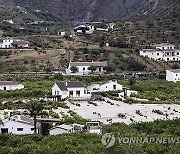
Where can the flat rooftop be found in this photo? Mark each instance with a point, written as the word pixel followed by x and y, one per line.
pixel 175 71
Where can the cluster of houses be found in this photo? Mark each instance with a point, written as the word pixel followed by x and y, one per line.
pixel 163 51
pixel 11 43
pixel 21 125
pixel 77 91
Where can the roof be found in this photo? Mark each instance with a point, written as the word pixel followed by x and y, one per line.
pixel 19 42
pixel 8 83
pixel 94 127
pixel 103 63
pixel 175 70
pixel 75 84
pixel 63 126
pixel 21 119
pixel 63 86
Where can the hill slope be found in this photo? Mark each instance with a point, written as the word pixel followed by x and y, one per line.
pixel 91 10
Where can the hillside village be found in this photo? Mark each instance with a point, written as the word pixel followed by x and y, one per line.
pixel 76 82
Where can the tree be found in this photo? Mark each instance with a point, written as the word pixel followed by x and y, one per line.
pixel 58 76
pixel 175 66
pixel 92 68
pixel 74 69
pixel 35 109
pixel 109 68
pixel 48 69
pixel 132 81
pixel 1 122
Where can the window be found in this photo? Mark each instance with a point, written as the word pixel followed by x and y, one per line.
pixel 70 93
pixel 4 88
pixel 167 59
pixel 19 129
pixel 32 129
pixel 78 93
pixel 167 53
pixel 177 53
pixel 106 86
pixel 157 54
pixel 84 91
pixel 163 48
pixel 174 59
pixel 176 74
pixel 83 68
pixel 114 86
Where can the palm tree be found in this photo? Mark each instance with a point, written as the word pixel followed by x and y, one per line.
pixel 1 122
pixel 35 109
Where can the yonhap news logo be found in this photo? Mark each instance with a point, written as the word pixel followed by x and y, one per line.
pixel 109 139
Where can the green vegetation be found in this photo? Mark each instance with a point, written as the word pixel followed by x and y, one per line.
pixel 121 115
pixel 158 112
pixel 93 103
pixel 73 118
pixel 139 112
pixel 85 143
pixel 155 90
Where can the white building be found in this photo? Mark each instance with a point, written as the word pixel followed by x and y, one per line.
pixel 93 127
pixel 70 90
pixel 19 125
pixel 9 21
pixel 127 93
pixel 61 129
pixel 164 51
pixel 9 43
pixel 109 86
pixel 94 130
pixel 173 75
pixel 82 67
pixel 84 29
pixel 10 85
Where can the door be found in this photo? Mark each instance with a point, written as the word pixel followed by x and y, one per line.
pixel 4 130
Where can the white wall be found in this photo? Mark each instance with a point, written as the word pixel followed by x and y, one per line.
pixel 57 91
pixel 94 131
pixel 165 47
pixel 56 131
pixel 66 94
pixel 171 76
pixel 6 43
pixel 161 55
pixel 83 93
pixel 13 125
pixel 12 87
pixel 84 70
pixel 110 87
pixel 152 54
